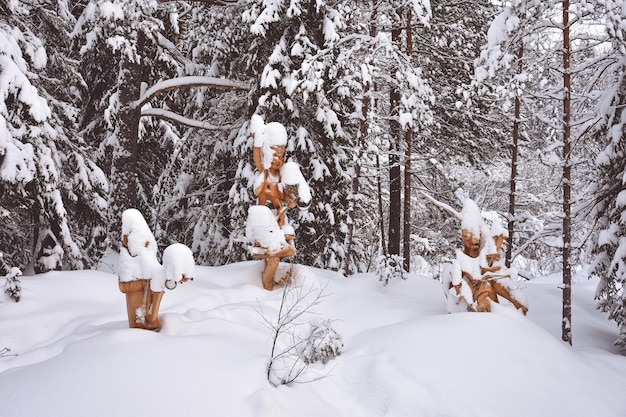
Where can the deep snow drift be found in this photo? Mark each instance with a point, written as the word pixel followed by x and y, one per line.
pixel 403 355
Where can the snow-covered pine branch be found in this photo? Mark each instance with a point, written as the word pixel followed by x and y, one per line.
pixel 177 118
pixel 187 82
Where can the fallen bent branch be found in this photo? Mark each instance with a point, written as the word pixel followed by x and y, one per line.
pixel 443 206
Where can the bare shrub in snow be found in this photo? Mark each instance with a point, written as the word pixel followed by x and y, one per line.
pixel 287 364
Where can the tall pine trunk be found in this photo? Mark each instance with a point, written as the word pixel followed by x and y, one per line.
pixel 395 180
pixel 514 158
pixel 566 326
pixel 123 190
pixel 406 232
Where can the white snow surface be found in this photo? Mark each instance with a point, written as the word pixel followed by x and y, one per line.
pixel 75 356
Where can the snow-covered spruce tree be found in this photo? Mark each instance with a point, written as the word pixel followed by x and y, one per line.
pixel 610 262
pixel 459 140
pixel 123 44
pixel 393 108
pixel 46 176
pixel 287 36
pixel 522 61
pixel 196 207
pixel 313 81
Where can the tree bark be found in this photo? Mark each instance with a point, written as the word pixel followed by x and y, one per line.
pixel 566 327
pixel 514 157
pixel 395 181
pixel 408 136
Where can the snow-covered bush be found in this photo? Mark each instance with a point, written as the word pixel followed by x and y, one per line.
pixel 322 344
pixel 12 284
pixel 389 266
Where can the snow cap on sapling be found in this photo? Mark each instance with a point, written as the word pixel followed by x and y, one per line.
pixel 274 134
pixel 472 220
pixel 138 256
pixel 262 227
pixel 178 262
pixel 257 127
pixel 136 233
pixel 291 175
pixel 498 229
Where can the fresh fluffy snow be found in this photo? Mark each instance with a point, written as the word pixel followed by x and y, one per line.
pixel 402 356
pixel 262 227
pixel 291 175
pixel 139 259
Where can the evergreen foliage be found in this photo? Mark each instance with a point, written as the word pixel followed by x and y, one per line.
pixel 610 258
pixel 47 175
pixel 609 248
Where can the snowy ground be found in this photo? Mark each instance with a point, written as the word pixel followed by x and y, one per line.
pixel 403 355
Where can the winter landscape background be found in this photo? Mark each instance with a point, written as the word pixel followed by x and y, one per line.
pixel 107 105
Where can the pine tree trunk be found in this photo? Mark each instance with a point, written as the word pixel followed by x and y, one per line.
pixel 123 191
pixel 514 157
pixel 395 181
pixel 406 232
pixel 566 327
pixel 381 213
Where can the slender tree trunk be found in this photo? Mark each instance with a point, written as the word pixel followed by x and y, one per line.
pixel 566 327
pixel 379 187
pixel 381 214
pixel 395 180
pixel 514 157
pixel 406 232
pixel 123 190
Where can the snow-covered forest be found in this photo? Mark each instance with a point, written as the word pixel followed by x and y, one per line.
pixel 113 104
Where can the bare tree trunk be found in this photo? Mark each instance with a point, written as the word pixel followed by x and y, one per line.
pixel 566 327
pixel 406 232
pixel 395 180
pixel 381 214
pixel 514 157
pixel 123 191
